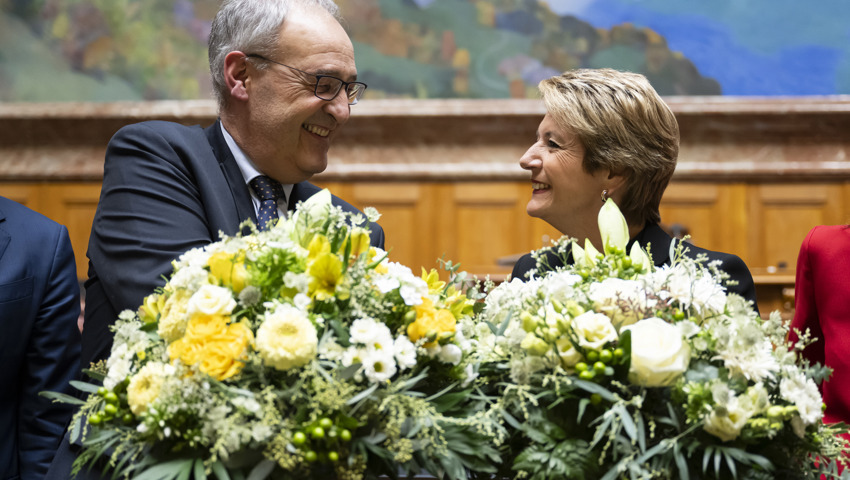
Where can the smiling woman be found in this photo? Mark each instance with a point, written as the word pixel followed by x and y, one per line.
pixel 608 134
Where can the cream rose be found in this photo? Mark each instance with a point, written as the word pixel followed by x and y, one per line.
pixel 594 330
pixel 660 354
pixel 212 300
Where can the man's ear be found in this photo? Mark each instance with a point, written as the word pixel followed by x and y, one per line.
pixel 236 75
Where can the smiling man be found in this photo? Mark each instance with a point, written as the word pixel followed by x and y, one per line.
pixel 284 77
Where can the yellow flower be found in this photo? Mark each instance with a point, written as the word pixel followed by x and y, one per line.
pixel 229 269
pixel 145 386
pixel 173 318
pixel 203 326
pixel 151 308
pixel 325 275
pixel 188 350
pixel 287 339
pixel 319 245
pixel 222 353
pixel 432 278
pixel 431 323
pixel 360 242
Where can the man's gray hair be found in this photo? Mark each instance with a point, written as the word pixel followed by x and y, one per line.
pixel 251 26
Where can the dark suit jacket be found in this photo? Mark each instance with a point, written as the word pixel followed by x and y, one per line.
pixel 167 188
pixel 659 247
pixel 822 303
pixel 40 341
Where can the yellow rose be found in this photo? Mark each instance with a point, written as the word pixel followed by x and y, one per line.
pixel 430 323
pixel 222 353
pixel 229 269
pixel 188 350
pixel 203 326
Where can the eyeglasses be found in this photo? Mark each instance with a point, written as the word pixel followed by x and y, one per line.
pixel 327 86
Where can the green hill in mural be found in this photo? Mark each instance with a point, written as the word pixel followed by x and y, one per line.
pixel 499 48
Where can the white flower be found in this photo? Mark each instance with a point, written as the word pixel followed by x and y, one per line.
pixel 379 365
pixel 287 338
pixel 568 354
pixel 729 414
pixel 300 282
pixel 594 330
pixel 405 352
pixel 145 386
pixel 659 353
pixel 211 300
pixel 801 391
pixel 373 334
pixel 624 301
pixel 450 353
pixel 412 295
pixel 189 278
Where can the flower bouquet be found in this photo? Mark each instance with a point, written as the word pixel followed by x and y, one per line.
pixel 612 368
pixel 297 352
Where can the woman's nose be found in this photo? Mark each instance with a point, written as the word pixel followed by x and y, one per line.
pixel 530 160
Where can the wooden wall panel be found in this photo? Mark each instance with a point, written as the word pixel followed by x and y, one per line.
pixel 27 194
pixel 781 215
pixel 73 205
pixel 713 214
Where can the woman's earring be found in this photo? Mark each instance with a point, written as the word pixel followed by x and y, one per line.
pixel 604 195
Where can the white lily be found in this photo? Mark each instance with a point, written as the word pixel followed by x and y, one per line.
pixel 640 260
pixel 613 227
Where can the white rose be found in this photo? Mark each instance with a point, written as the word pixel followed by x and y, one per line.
pixel 594 330
pixel 659 353
pixel 212 300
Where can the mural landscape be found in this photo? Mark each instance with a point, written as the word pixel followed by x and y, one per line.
pixel 107 50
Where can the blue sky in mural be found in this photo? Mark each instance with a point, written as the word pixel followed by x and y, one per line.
pixel 752 47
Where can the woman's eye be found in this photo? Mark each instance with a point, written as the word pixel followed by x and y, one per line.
pixel 552 144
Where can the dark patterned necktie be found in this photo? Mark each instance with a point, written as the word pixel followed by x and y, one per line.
pixel 269 191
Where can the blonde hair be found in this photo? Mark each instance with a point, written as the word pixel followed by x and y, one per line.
pixel 624 126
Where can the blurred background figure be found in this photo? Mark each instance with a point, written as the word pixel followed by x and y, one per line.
pixel 40 345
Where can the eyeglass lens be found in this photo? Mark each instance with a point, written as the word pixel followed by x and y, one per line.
pixel 328 87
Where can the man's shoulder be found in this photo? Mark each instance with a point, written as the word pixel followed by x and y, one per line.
pixel 22 217
pixel 171 132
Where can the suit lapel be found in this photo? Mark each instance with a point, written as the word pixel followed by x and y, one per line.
pixel 232 174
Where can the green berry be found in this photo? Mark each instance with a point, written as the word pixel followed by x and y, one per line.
pixel 101 391
pixel 587 375
pixel 128 418
pixel 298 439
pixel 599 367
pixel 618 353
pixel 333 456
pixel 311 456
pixel 581 366
pixel 317 432
pixel 110 409
pixel 592 356
pixel 333 432
pixel 95 419
pixel 606 356
pixel 326 423
pixel 111 397
pixel 595 399
pixel 345 435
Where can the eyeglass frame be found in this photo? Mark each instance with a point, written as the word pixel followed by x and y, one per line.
pixel 343 85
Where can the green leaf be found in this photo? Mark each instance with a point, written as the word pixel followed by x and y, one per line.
pixel 362 395
pixel 167 470
pixel 262 470
pixel 62 398
pixel 84 386
pixel 219 471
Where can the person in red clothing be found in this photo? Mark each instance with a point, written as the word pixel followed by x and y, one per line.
pixel 822 297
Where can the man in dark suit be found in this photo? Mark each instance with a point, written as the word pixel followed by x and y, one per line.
pixel 168 188
pixel 284 77
pixel 40 345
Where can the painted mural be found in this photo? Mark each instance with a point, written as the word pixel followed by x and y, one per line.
pixel 108 50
